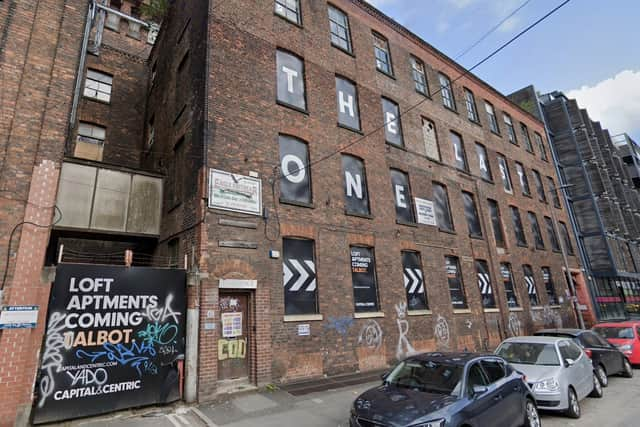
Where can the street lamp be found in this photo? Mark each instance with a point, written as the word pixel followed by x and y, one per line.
pixel 572 289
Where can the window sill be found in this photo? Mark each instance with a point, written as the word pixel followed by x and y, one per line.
pixel 516 309
pixel 426 95
pixel 293 107
pixel 343 50
pixel 288 20
pixel 555 251
pixel 368 315
pixel 476 237
pixel 408 224
pixel 537 308
pixel 476 122
pixel 419 312
pixel 555 307
pixel 443 230
pixel 528 196
pixel 299 204
pixel 303 318
pixel 96 100
pixel 540 249
pixel 399 147
pixel 391 76
pixel 488 181
pixel 461 311
pixel 358 215
pixel 358 131
pixel 496 133
pixel 520 245
pixel 453 110
pixel 491 310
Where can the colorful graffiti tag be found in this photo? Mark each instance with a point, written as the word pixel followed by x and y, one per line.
pixel 114 337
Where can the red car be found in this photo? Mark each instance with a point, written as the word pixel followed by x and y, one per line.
pixel 625 336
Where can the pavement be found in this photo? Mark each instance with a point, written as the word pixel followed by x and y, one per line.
pixel 620 407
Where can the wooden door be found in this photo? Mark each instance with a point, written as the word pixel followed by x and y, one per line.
pixel 233 344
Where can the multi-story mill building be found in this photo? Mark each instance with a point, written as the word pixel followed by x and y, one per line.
pixel 341 193
pixel 599 175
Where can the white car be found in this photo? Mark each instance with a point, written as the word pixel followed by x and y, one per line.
pixel 558 372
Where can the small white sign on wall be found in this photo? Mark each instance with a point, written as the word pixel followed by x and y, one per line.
pixel 20 316
pixel 304 330
pixel 425 211
pixel 232 192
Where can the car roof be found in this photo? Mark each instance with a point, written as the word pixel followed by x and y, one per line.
pixel 454 358
pixel 535 339
pixel 626 324
pixel 565 331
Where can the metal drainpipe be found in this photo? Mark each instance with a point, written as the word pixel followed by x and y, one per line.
pixel 581 249
pixel 83 59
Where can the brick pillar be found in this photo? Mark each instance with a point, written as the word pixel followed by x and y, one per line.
pixel 20 348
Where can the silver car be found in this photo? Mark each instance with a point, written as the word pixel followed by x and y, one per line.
pixel 558 372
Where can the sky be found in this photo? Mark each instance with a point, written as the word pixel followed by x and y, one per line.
pixel 589 49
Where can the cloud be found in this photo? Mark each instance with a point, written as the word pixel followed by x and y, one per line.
pixel 615 102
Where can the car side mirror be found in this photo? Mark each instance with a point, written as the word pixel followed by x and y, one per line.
pixel 479 389
pixel 569 362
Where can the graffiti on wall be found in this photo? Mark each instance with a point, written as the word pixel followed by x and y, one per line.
pixel 404 347
pixel 235 348
pixel 441 331
pixel 371 335
pixel 339 324
pixel 548 316
pixel 514 324
pixel 113 337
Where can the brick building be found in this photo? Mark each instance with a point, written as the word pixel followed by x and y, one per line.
pixel 342 193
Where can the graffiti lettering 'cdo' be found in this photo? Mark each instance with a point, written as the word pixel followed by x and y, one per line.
pixel 232 349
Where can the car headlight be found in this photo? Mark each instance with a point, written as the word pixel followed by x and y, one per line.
pixel 549 384
pixel 626 347
pixel 433 423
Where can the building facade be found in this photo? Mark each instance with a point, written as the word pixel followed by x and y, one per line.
pixel 598 175
pixel 341 193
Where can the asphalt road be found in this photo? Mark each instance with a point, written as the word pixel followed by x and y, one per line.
pixel 620 407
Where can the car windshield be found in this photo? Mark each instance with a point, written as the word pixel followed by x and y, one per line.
pixel 614 332
pixel 529 353
pixel 429 376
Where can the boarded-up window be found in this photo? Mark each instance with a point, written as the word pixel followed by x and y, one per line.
pixel 496 223
pixel 524 181
pixel 295 179
pixel 471 214
pixel 392 124
pixel 484 283
pixel 504 173
pixel 542 196
pixel 535 230
pixel 483 162
pixel 459 155
pixel 548 286
pixel 507 281
pixel 430 139
pixel 526 138
pixel 541 146
pixel 530 282
pixel 355 186
pixel 290 78
pixel 566 238
pixel 414 281
pixel 363 276
pixel 518 229
pixel 554 192
pixel 347 99
pixel 402 196
pixel 454 278
pixel 441 205
pixel 299 277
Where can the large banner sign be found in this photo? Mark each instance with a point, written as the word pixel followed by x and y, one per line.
pixel 114 336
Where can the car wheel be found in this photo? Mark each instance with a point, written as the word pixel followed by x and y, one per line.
pixel 602 376
pixel 627 372
pixel 597 391
pixel 532 417
pixel 573 410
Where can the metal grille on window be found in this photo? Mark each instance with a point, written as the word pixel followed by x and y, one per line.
pixel 456 287
pixel 535 230
pixel 471 214
pixel 98 86
pixel 289 9
pixel 518 230
pixel 447 92
pixel 472 112
pixel 414 281
pixel 509 290
pixel 484 283
pixel 419 76
pixel 383 58
pixel 530 282
pixel 299 277
pixel 549 287
pixel 441 205
pixel 511 133
pixel 339 24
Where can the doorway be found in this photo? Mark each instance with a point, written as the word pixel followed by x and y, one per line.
pixel 233 344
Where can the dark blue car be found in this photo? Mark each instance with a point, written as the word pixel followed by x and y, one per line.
pixel 448 389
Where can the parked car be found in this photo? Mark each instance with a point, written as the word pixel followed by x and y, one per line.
pixel 559 373
pixel 625 336
pixel 605 357
pixel 448 389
